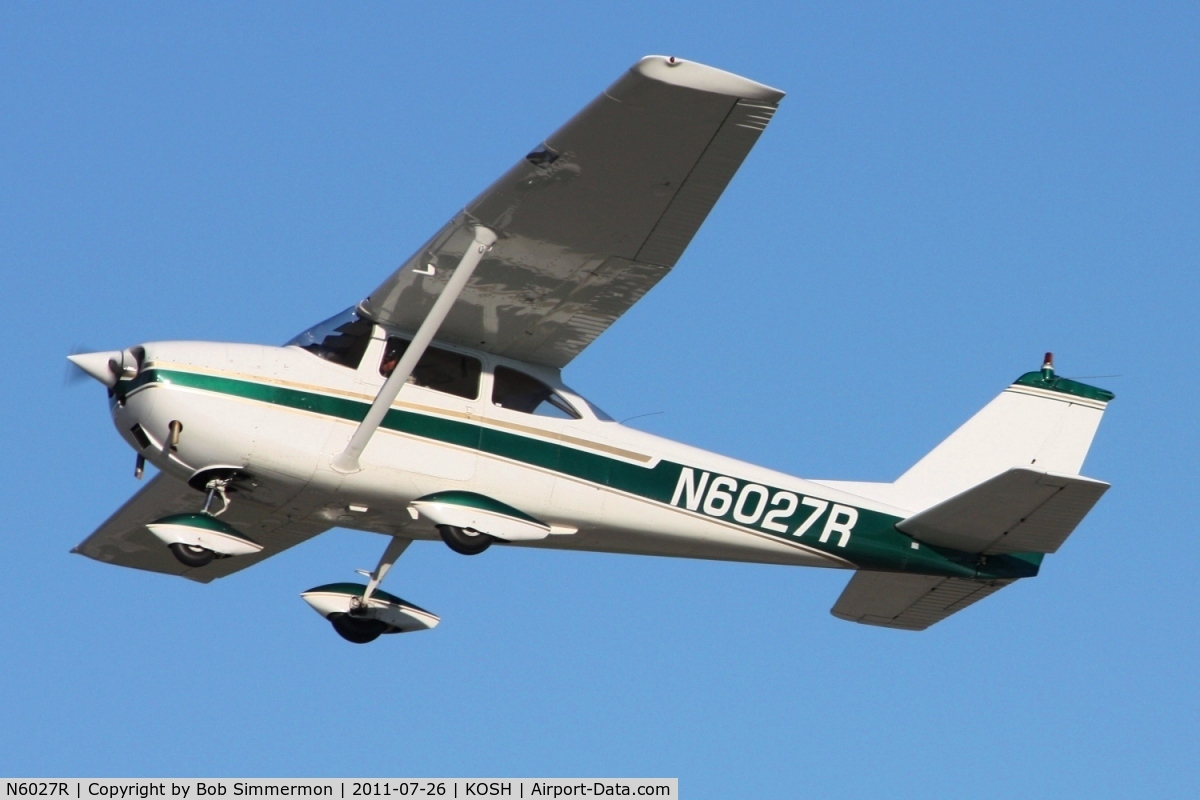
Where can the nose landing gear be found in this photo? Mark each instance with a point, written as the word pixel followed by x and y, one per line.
pixel 194 555
pixel 191 555
pixel 196 539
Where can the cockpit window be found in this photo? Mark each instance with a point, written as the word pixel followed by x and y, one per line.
pixel 438 369
pixel 341 339
pixel 517 391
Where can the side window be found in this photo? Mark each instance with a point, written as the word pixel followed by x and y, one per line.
pixel 438 369
pixel 517 391
pixel 342 339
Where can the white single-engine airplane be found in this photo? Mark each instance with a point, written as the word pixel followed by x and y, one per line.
pixel 434 408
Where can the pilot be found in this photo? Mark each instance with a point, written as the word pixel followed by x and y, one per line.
pixel 390 360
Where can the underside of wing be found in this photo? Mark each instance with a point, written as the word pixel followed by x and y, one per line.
pixel 590 220
pixel 906 601
pixel 124 539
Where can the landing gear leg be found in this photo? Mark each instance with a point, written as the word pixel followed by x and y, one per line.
pixel 357 625
pixel 394 550
pixel 216 488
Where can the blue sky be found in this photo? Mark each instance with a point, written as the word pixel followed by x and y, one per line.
pixel 948 191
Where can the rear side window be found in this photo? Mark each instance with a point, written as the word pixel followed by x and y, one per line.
pixel 342 339
pixel 438 369
pixel 517 391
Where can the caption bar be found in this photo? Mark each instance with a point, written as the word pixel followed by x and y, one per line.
pixel 338 788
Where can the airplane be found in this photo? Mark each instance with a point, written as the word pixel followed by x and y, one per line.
pixel 435 408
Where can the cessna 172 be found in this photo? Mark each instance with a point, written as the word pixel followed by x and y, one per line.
pixel 435 409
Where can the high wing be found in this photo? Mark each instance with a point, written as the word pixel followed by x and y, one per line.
pixel 590 220
pixel 124 540
pixel 906 601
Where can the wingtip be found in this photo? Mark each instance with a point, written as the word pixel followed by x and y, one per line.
pixel 694 75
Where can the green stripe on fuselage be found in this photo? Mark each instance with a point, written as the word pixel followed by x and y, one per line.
pixel 874 544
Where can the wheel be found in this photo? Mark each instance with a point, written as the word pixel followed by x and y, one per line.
pixel 190 555
pixel 359 630
pixel 462 541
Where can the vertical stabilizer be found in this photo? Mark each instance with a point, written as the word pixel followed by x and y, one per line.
pixel 1041 422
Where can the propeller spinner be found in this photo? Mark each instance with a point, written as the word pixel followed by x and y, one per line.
pixel 107 366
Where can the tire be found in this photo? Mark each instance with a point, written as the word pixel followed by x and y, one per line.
pixel 359 630
pixel 191 555
pixel 460 541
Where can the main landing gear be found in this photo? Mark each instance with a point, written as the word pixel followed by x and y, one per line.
pixel 196 539
pixel 465 540
pixel 470 523
pixel 359 630
pixel 361 614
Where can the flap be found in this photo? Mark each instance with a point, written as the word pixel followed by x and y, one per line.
pixel 125 540
pixel 1018 511
pixel 909 602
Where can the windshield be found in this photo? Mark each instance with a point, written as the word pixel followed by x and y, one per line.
pixel 342 339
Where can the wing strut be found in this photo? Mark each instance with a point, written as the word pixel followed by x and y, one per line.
pixel 347 460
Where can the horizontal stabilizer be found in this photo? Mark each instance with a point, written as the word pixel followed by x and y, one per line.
pixel 906 601
pixel 1018 511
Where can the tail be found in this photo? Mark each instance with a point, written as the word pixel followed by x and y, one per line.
pixel 1041 422
pixel 1005 482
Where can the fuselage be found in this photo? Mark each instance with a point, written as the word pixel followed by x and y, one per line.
pixel 280 415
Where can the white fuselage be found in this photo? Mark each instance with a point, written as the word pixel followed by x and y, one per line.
pixel 281 414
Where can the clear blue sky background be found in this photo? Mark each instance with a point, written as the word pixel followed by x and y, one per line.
pixel 948 191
